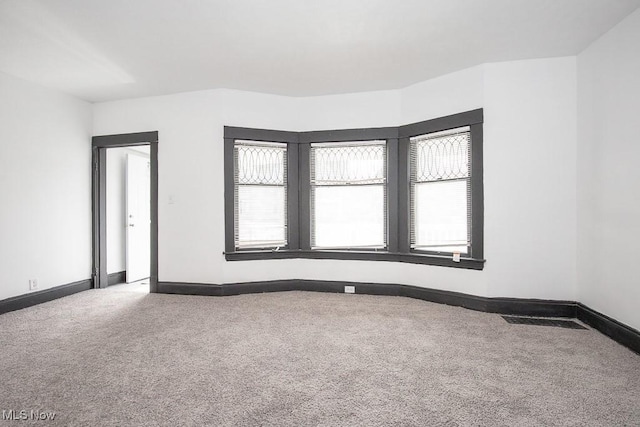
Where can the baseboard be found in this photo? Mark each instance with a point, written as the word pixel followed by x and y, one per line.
pixel 116 278
pixel 619 332
pixel 523 307
pixel 33 298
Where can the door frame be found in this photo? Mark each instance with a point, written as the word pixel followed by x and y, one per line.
pixel 99 146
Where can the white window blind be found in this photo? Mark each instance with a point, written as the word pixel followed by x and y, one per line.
pixel 348 195
pixel 440 179
pixel 260 194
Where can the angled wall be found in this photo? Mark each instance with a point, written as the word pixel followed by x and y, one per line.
pixel 530 173
pixel 608 226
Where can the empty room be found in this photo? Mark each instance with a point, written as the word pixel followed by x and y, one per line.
pixel 319 213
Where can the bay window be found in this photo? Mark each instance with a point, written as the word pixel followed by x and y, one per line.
pixel 411 193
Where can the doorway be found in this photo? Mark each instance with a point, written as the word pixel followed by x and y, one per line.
pixel 128 215
pixel 138 153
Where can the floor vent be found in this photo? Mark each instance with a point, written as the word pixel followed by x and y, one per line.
pixel 569 324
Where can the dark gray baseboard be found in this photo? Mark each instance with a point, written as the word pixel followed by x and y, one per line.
pixel 523 307
pixel 619 332
pixel 33 298
pixel 116 278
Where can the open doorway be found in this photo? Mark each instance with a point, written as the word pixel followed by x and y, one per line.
pixel 129 216
pixel 125 210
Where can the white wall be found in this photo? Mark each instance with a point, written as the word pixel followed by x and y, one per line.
pixel 442 96
pixel 530 178
pixel 45 182
pixel 518 233
pixel 608 173
pixel 116 206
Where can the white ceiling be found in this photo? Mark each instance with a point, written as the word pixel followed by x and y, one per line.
pixel 111 49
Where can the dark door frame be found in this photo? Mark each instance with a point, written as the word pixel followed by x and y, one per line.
pixel 99 201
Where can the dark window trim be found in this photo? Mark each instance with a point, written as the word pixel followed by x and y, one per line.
pixel 398 193
pixel 231 134
pixel 304 198
pixel 346 135
pixel 467 118
pixel 358 255
pixel 293 239
pixel 267 135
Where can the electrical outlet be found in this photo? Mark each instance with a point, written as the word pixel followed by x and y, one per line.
pixel 33 284
pixel 349 289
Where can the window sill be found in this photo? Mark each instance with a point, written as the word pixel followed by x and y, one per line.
pixel 438 260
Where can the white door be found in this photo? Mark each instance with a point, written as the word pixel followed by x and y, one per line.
pixel 138 217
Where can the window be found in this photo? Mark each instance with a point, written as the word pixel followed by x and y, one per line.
pixel 260 207
pixel 348 195
pixel 440 190
pixel 412 193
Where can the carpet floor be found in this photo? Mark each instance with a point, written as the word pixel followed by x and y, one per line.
pixel 118 357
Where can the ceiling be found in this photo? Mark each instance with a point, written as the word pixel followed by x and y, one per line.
pixel 102 50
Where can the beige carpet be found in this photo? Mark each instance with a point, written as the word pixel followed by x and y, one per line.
pixel 120 357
